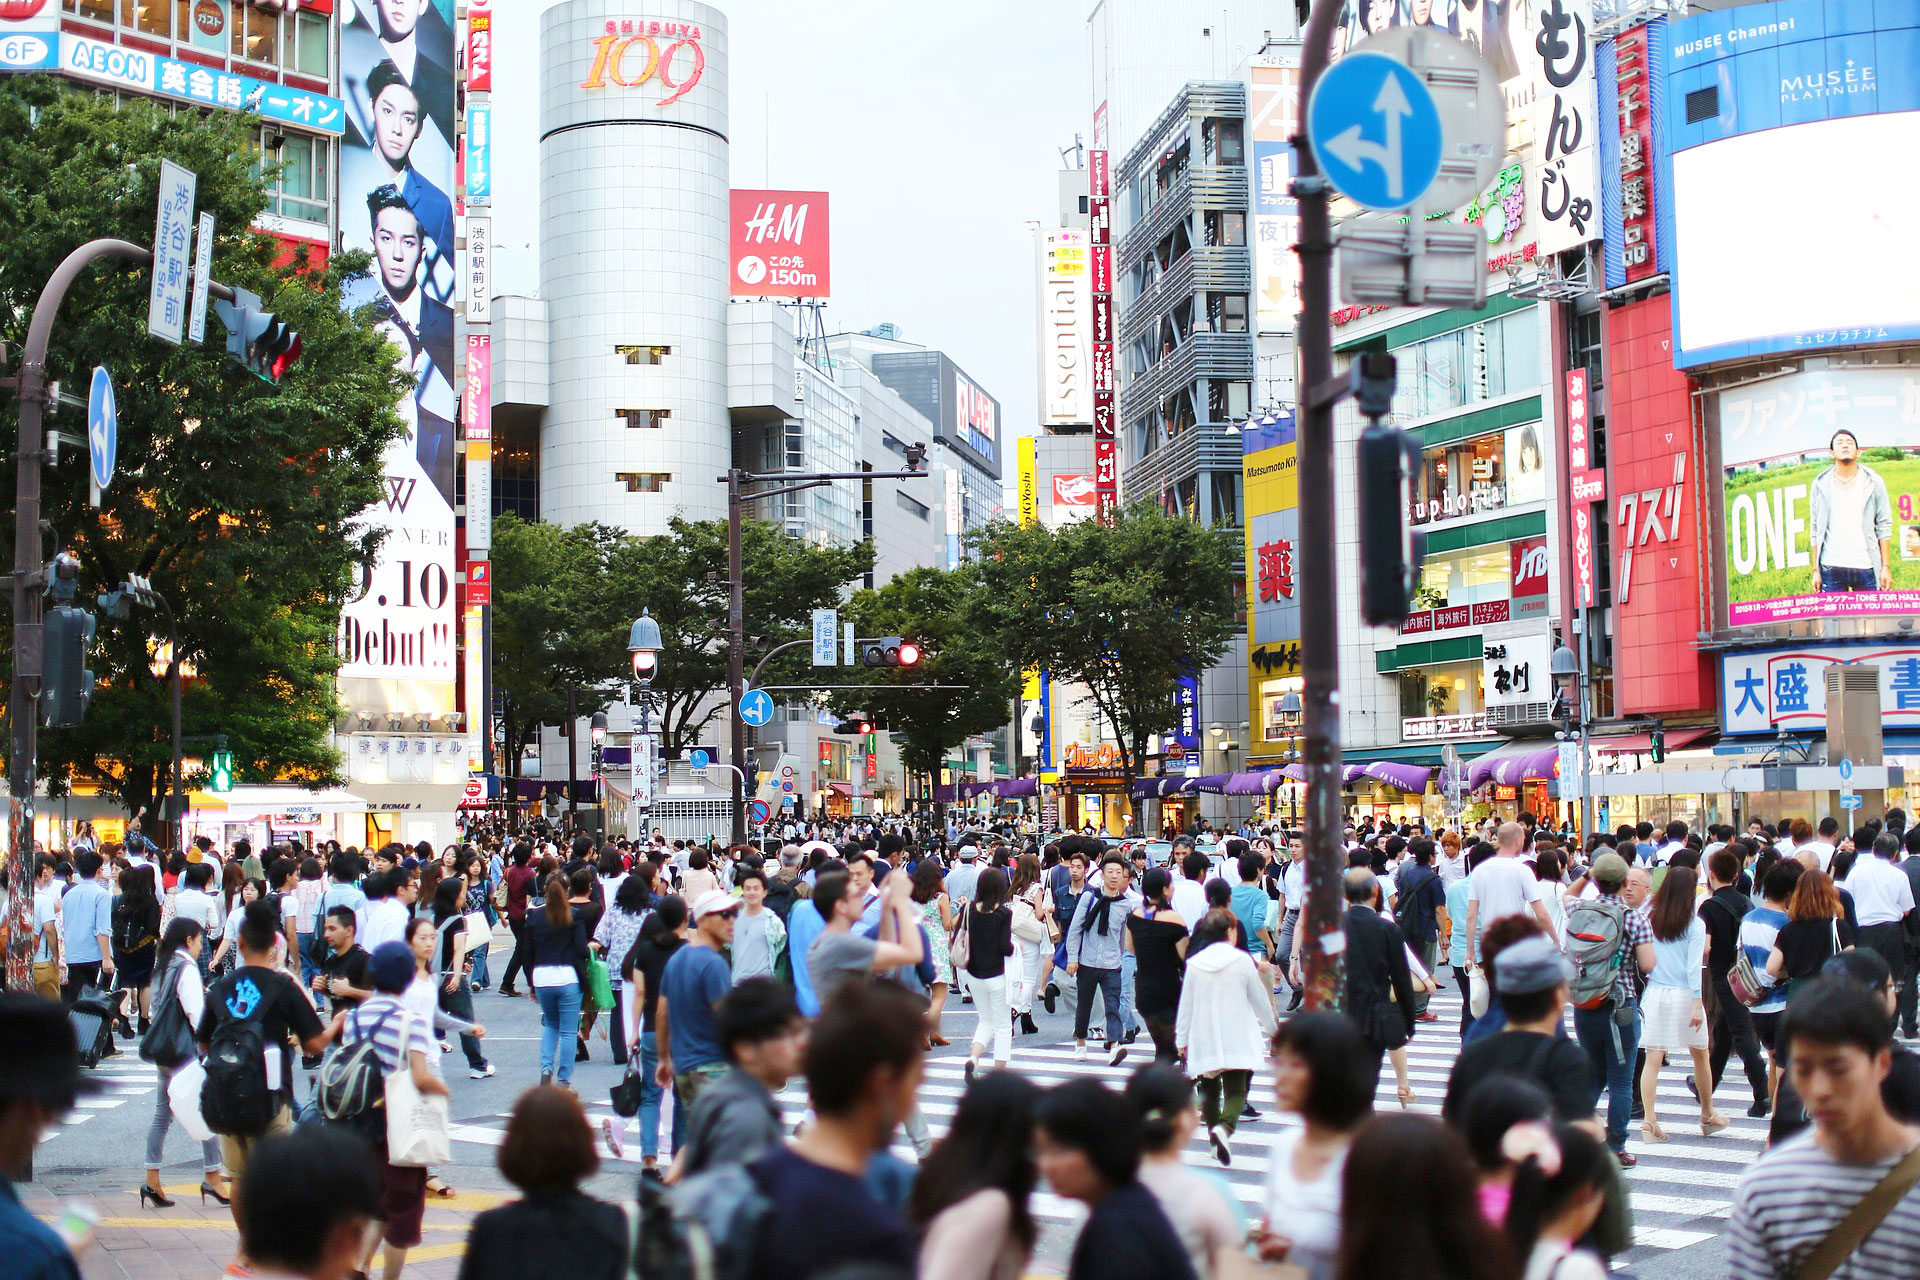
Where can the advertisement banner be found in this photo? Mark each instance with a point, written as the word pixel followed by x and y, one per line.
pixel 125 68
pixel 1074 497
pixel 778 244
pixel 1630 70
pixel 1766 690
pixel 1584 589
pixel 1066 329
pixel 1825 92
pixel 479 270
pixel 476 413
pixel 1270 481
pixel 976 415
pixel 1517 670
pixel 29 35
pixel 1566 197
pixel 398 632
pixel 1028 480
pixel 1822 477
pixel 1273 117
pixel 480 46
pixel 479 155
pixel 1106 457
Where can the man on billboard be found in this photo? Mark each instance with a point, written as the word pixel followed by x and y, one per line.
pixel 414 35
pixel 1852 523
pixel 419 326
pixel 396 127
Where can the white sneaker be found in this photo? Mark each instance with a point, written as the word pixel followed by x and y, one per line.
pixel 480 1073
pixel 1080 1051
pixel 1118 1056
pixel 1217 1139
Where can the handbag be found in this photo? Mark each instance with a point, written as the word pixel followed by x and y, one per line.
pixel 169 1040
pixel 183 1099
pixel 599 983
pixel 625 1096
pixel 1851 1231
pixel 417 1124
pixel 960 945
pixel 479 932
pixel 1746 983
pixel 500 894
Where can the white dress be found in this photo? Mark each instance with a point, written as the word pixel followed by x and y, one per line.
pixel 1307 1213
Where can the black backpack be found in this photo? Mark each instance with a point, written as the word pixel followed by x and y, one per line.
pixel 235 1100
pixel 1406 908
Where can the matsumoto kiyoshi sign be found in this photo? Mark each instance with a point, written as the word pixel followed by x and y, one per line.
pixel 1822 495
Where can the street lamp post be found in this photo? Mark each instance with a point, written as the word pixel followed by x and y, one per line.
pixel 643 644
pixel 1571 666
pixel 1290 721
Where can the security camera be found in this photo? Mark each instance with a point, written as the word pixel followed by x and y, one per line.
pixel 916 456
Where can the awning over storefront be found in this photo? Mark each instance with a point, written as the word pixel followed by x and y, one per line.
pixel 1411 778
pixel 1263 782
pixel 840 788
pixel 1513 763
pixel 1015 788
pixel 1638 742
pixel 537 788
pixel 1349 773
pixel 945 793
pixel 1212 783
pixel 246 800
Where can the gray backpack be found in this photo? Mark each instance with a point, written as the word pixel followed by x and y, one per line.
pixel 1596 942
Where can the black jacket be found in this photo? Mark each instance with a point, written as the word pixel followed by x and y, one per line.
pixel 781 896
pixel 570 1234
pixel 1377 978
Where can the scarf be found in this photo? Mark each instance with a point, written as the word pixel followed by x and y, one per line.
pixel 1104 906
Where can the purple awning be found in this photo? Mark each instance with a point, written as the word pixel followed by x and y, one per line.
pixel 1212 783
pixel 1512 764
pixel 1150 788
pixel 1015 788
pixel 1348 773
pixel 1258 783
pixel 1298 772
pixel 945 793
pixel 1411 778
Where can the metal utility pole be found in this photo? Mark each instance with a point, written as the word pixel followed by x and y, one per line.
pixel 573 757
pixel 28 631
pixel 1323 950
pixel 737 479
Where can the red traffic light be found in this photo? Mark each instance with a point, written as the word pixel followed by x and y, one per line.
pixel 909 654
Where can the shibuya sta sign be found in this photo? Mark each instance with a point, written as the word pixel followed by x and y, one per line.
pixel 635 52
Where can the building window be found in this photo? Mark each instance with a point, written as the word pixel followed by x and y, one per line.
pixel 644 417
pixel 912 507
pixel 256 34
pixel 1513 353
pixel 149 18
pixel 643 481
pixel 1224 228
pixel 95 10
pixel 641 353
pixel 307 45
pixel 295 167
pixel 1223 142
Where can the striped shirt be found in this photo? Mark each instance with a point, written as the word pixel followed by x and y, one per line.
pixel 392 1027
pixel 1794 1195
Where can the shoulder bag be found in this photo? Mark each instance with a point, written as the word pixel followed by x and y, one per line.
pixel 960 945
pixel 417 1124
pixel 1851 1231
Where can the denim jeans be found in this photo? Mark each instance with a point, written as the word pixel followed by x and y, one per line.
pixel 459 1003
pixel 559 1024
pixel 1612 1064
pixel 1835 578
pixel 650 1095
pixel 163 1120
pixel 479 953
pixel 1130 1019
pixel 1107 982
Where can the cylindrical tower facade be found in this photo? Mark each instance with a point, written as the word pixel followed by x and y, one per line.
pixel 633 262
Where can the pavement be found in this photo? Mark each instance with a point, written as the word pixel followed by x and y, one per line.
pixel 1681 1189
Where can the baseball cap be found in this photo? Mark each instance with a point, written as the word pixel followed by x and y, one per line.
pixel 968 852
pixel 1531 965
pixel 391 967
pixel 713 902
pixel 1610 868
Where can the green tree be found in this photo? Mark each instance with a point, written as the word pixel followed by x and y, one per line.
pixel 1125 610
pixel 240 500
pixel 932 607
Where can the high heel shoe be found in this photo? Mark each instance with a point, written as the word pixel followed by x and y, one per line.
pixel 1653 1133
pixel 152 1196
pixel 208 1189
pixel 122 1027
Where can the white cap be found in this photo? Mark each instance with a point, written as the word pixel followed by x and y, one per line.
pixel 968 852
pixel 714 901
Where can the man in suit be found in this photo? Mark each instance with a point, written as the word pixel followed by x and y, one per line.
pixel 419 42
pixel 419 326
pixel 1379 984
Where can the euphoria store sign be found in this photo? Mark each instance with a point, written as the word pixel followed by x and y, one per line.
pixel 635 53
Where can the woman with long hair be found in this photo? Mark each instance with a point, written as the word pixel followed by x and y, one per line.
pixel 227 955
pixel 583 886
pixel 970 1199
pixel 1205 1215
pixel 613 937
pixel 1032 941
pixel 179 989
pixel 1323 1072
pixel 1159 936
pixel 1407 1207
pixel 1559 1192
pixel 479 904
pixel 1220 1032
pixel 662 933
pixel 556 952
pixel 1817 929
pixel 936 908
pixel 135 939
pixel 989 925
pixel 1674 1018
pixel 449 972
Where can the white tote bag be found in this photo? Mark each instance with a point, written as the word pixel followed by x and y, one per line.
pixel 417 1124
pixel 183 1099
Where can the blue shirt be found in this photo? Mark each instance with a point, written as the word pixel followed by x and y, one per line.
pixel 804 924
pixel 1457 916
pixel 86 913
pixel 695 980
pixel 31 1249
pixel 1250 906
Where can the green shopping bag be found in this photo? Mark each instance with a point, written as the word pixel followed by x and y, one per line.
pixel 599 983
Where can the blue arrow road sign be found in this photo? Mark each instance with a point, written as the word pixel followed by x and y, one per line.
pixel 1850 800
pixel 756 707
pixel 103 427
pixel 1376 130
pixel 699 759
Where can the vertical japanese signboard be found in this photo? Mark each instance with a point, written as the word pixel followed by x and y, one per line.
pixel 1564 164
pixel 398 636
pixel 1066 320
pixel 1106 458
pixel 1628 188
pixel 1270 481
pixel 172 246
pixel 479 46
pixel 1273 116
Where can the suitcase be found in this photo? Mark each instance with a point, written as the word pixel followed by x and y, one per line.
pixel 91 1018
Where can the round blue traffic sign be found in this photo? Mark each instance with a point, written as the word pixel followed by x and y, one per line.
pixel 1375 130
pixel 756 707
pixel 760 811
pixel 699 759
pixel 103 427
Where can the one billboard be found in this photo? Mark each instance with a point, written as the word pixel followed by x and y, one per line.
pixel 975 414
pixel 1273 117
pixel 479 46
pixel 1066 329
pixel 1075 497
pixel 777 244
pixel 398 634
pixel 1820 469
pixel 1822 92
pixel 149 73
pixel 1631 71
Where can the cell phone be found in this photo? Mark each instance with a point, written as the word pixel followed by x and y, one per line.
pixel 75 1225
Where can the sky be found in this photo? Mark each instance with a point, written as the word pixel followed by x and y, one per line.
pixel 936 130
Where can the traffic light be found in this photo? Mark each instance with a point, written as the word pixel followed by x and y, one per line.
pixel 66 682
pixel 222 772
pixel 889 651
pixel 1657 744
pixel 1390 549
pixel 260 341
pixel 859 724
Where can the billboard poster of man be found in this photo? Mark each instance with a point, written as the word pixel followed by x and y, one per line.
pixel 1821 471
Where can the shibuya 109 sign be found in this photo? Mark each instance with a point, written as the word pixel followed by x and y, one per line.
pixel 635 53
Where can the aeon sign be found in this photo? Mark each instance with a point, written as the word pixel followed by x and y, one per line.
pixel 641 51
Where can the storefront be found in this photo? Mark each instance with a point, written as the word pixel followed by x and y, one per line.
pixel 272 814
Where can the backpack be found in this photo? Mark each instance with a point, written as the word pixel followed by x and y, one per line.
pixel 1596 942
pixel 235 1100
pixel 352 1079
pixel 1406 908
pixel 706 1228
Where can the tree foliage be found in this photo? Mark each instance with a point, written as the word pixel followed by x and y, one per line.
pixel 237 498
pixel 1125 610
pixel 934 608
pixel 564 600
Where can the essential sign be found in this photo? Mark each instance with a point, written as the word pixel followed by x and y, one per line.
pixel 172 243
pixel 826 637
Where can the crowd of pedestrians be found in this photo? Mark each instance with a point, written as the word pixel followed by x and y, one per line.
pixel 315 993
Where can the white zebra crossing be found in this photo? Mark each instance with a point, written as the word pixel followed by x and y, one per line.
pixel 120 1079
